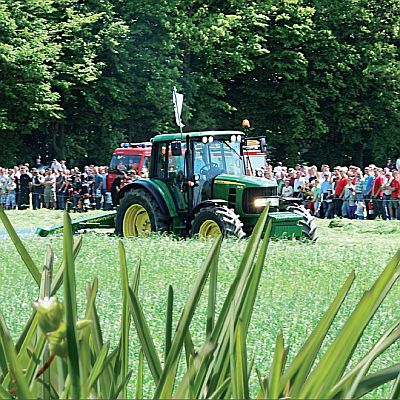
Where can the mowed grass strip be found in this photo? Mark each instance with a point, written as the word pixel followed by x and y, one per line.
pixel 299 281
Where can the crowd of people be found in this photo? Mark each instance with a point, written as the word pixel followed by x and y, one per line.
pixel 350 192
pixel 53 187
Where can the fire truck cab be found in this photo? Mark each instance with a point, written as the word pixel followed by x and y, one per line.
pixel 128 158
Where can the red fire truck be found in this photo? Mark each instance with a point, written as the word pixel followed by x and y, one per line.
pixel 129 158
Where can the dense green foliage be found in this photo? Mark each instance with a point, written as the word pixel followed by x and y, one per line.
pixel 79 77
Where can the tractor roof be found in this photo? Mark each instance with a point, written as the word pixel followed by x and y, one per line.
pixel 192 135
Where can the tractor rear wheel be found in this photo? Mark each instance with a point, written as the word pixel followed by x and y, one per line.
pixel 215 220
pixel 139 214
pixel 308 225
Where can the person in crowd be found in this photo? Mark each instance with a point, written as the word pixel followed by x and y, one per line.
pixel 25 180
pixel 367 189
pixel 349 200
pixel 97 186
pixel 394 207
pixel 339 190
pixel 377 193
pixel 49 192
pixel 387 194
pixel 316 197
pixel 3 187
pixel 298 184
pixel 11 203
pixel 37 189
pixel 287 190
pixel 38 164
pixel 61 189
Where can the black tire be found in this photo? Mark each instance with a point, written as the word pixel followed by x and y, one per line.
pixel 228 221
pixel 308 225
pixel 158 220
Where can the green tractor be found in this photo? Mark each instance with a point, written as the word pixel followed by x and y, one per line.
pixel 198 186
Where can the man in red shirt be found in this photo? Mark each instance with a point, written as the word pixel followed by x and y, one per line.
pixel 339 192
pixel 394 205
pixel 377 193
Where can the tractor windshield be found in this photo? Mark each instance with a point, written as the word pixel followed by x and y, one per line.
pixel 217 157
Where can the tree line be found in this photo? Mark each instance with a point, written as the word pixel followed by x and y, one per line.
pixel 320 79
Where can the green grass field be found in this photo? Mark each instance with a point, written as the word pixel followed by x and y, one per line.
pixel 299 281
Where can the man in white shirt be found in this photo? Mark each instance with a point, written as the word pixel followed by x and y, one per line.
pixel 287 190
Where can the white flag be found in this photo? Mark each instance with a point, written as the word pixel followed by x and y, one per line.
pixel 178 103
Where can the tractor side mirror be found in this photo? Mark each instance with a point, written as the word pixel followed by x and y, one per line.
pixel 176 148
pixel 263 145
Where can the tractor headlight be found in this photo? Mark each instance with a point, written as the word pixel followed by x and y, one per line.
pixel 262 202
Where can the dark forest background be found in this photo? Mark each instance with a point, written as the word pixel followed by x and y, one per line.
pixel 321 78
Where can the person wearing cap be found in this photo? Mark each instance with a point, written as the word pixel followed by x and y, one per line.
pixel 287 190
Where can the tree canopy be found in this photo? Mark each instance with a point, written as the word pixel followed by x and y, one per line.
pixel 320 79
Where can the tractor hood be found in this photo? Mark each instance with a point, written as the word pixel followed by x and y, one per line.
pixel 243 181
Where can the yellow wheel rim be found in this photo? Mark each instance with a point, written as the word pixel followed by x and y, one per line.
pixel 209 229
pixel 136 221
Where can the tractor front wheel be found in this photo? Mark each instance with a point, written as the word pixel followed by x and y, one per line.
pixel 139 214
pixel 212 221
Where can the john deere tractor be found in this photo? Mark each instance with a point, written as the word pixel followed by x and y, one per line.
pixel 198 186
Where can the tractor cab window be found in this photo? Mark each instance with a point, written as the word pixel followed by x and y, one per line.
pixel 217 157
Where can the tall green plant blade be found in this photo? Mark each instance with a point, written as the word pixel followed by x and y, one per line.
pixel 395 394
pixel 125 318
pixel 183 390
pixel 168 321
pixel 302 363
pixel 136 280
pixel 70 309
pixel 372 381
pixel 264 384
pixel 4 393
pixel 144 335
pixel 3 362
pixel 385 341
pixel 98 367
pixel 378 350
pixel 38 356
pixel 91 314
pixel 58 279
pixel 242 306
pixel 239 357
pixel 139 380
pixel 245 264
pixel 124 382
pixel 29 336
pixel 45 291
pixel 15 368
pixel 212 297
pixel 186 317
pixel 220 333
pixel 276 368
pixel 218 394
pixel 26 258
pixel 336 358
pixel 249 294
pixel 189 347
